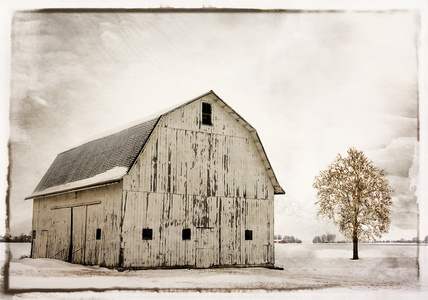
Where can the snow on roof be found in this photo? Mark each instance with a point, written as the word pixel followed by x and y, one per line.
pixel 97 157
pixel 111 175
pixel 99 161
pixel 153 116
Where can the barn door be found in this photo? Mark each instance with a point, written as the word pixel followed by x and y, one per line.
pixel 205 242
pixel 78 235
pixel 266 254
pixel 43 244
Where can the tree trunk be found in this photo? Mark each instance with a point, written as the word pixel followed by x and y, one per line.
pixel 355 241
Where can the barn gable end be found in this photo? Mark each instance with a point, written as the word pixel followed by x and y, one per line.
pixel 181 127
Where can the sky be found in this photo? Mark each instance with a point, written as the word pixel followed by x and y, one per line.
pixel 313 84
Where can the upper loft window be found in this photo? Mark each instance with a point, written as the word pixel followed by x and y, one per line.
pixel 206 114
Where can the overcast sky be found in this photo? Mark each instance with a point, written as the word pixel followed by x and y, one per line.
pixel 313 84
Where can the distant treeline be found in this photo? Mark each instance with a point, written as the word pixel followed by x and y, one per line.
pixel 414 240
pixel 23 238
pixel 325 238
pixel 331 238
pixel 286 239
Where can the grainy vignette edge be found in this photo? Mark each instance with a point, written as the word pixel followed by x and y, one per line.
pixel 6 267
pixel 418 221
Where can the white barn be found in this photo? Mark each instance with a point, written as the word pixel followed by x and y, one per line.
pixel 191 188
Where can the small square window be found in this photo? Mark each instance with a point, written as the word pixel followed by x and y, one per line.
pixel 248 235
pixel 34 234
pixel 147 234
pixel 186 234
pixel 206 114
pixel 98 233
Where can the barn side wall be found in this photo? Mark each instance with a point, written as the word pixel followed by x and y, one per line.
pixel 66 226
pixel 209 179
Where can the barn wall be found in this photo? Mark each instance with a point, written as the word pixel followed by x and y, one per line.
pixel 76 216
pixel 209 179
pixel 217 227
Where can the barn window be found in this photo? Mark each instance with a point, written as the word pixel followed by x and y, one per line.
pixel 248 235
pixel 98 233
pixel 34 234
pixel 147 234
pixel 206 114
pixel 186 234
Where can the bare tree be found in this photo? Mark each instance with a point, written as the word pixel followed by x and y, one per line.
pixel 356 196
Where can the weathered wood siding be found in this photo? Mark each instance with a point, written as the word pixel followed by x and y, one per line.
pixel 209 179
pixel 75 217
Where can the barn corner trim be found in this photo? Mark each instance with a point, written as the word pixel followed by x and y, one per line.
pixel 278 190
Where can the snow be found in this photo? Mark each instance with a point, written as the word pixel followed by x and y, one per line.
pixel 110 175
pixel 318 294
pixel 18 250
pixel 29 264
pixel 310 270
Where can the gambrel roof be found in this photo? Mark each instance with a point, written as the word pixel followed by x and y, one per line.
pixel 107 159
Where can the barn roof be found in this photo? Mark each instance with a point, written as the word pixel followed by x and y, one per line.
pixel 107 159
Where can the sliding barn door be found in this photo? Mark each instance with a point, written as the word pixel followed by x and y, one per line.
pixel 205 244
pixel 43 244
pixel 78 235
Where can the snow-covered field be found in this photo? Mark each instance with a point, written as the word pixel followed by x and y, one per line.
pixel 309 269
